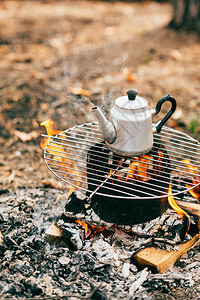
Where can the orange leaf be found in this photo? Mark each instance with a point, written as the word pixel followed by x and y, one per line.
pixel 79 91
pixel 130 77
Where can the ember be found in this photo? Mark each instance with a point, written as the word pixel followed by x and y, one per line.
pixel 92 230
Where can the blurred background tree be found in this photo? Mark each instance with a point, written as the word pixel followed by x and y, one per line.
pixel 186 14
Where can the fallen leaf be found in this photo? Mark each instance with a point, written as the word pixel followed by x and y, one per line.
pixel 172 123
pixel 17 95
pixel 11 176
pixel 175 54
pixel 130 77
pixel 79 91
pixel 25 137
pixel 35 123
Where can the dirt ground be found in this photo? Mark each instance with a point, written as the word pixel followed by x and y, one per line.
pixel 48 50
pixel 57 58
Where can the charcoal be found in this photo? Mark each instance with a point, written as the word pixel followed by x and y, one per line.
pixel 76 202
pixel 32 286
pixel 16 289
pixel 1 219
pixel 10 242
pixel 24 269
pixel 98 295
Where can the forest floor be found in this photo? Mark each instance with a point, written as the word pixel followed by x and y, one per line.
pixel 57 58
pixel 49 49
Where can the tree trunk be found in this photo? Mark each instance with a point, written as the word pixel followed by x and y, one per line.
pixel 186 14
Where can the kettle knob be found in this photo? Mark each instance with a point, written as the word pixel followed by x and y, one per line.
pixel 132 94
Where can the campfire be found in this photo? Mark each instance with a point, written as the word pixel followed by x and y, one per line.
pixel 109 194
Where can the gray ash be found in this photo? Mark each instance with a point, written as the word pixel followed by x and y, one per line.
pixel 100 269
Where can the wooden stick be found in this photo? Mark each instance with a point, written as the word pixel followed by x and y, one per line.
pixel 192 208
pixel 159 260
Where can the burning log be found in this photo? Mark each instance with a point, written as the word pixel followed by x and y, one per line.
pixel 183 215
pixel 194 171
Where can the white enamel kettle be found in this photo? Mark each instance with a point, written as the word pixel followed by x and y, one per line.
pixel 130 131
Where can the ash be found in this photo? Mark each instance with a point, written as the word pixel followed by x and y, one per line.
pixel 164 232
pixel 98 267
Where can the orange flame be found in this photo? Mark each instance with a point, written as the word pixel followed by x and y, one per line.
pixel 85 226
pixel 91 230
pixel 195 192
pixel 48 124
pixel 182 214
pixel 62 159
pixel 139 169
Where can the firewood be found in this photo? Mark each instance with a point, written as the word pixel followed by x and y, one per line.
pixel 159 260
pixel 64 235
pixel 53 234
pixel 191 208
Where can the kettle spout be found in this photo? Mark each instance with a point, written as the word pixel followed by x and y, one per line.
pixel 107 129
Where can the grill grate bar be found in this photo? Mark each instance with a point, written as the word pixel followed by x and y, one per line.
pixel 172 132
pixel 67 153
pixel 166 181
pixel 106 187
pixel 177 142
pixel 169 151
pixel 155 135
pixel 181 150
pixel 163 142
pixel 115 179
pixel 132 189
pixel 127 168
pixel 176 164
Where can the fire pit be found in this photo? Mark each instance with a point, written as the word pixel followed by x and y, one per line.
pixel 125 190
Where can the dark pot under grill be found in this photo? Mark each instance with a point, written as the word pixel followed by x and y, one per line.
pixel 109 202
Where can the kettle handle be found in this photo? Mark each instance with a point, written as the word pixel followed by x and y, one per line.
pixel 158 108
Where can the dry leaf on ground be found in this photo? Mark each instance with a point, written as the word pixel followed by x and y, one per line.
pixel 80 91
pixel 26 137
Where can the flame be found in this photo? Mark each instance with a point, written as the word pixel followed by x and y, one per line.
pixel 182 214
pixel 91 230
pixel 62 159
pixel 85 226
pixel 48 124
pixel 139 168
pixel 195 192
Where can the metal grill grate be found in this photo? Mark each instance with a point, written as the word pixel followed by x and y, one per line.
pixel 174 153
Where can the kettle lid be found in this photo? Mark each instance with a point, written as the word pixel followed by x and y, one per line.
pixel 132 101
